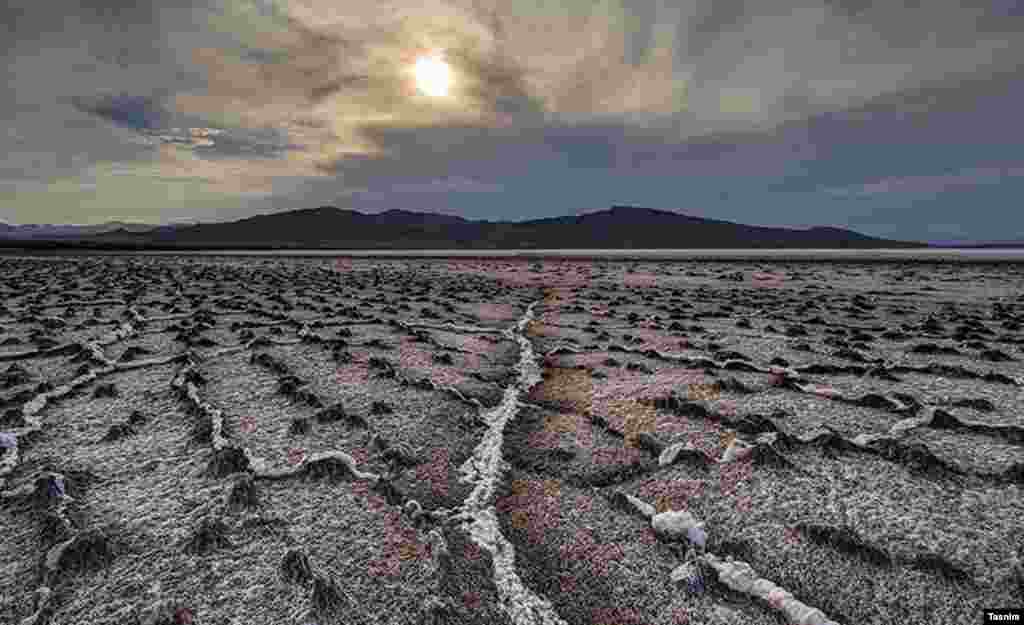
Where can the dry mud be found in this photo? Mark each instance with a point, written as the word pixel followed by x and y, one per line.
pixel 274 441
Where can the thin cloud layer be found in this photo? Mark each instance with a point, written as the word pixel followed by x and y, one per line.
pixel 931 184
pixel 718 108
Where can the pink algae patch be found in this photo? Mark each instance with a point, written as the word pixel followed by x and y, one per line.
pixel 549 317
pixel 614 616
pixel 762 279
pixel 648 537
pixel 420 363
pixel 584 503
pixel 627 385
pixel 355 375
pixel 708 442
pixel 435 472
pixel 472 552
pixel 360 454
pixel 601 557
pixel 660 340
pixel 671 494
pixel 563 429
pixel 617 397
pixel 469 343
pixel 612 456
pixel 776 598
pixel 669 427
pixel 542 439
pixel 495 312
pixel 295 456
pixel 532 507
pixel 373 500
pixel 733 474
pixel 401 547
pixel 641 279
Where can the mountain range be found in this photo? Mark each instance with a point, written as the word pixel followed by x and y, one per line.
pixel 328 227
pixel 961 243
pixel 61 231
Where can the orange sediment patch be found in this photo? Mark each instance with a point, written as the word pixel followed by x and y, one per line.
pixel 638 419
pixel 571 387
pixel 538 329
pixel 561 423
pixel 702 391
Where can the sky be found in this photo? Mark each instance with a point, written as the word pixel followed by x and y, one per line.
pixel 895 119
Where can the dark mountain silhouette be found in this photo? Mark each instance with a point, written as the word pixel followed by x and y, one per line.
pixel 61 231
pixel 621 227
pixel 1015 243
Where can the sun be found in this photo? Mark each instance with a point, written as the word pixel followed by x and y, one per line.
pixel 433 76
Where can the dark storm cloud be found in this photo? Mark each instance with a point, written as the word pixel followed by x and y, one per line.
pixel 138 112
pixel 125 32
pixel 150 117
pixel 711 19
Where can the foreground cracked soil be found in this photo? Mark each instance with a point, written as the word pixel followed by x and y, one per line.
pixel 232 440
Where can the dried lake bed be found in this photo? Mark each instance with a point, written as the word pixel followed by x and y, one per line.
pixel 271 439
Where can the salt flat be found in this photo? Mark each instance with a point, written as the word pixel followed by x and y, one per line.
pixel 272 439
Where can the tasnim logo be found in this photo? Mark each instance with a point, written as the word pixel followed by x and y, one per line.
pixel 1008 615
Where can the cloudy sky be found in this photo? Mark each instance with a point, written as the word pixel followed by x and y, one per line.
pixel 896 119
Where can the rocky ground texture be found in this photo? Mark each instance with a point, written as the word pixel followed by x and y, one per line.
pixel 282 440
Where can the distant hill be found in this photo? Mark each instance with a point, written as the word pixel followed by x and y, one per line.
pixel 57 231
pixel 1019 243
pixel 620 227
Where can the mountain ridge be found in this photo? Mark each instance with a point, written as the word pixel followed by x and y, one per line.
pixel 329 227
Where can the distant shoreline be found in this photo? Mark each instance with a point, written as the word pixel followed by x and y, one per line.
pixel 914 255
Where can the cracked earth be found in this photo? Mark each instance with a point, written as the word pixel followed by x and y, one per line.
pixel 230 440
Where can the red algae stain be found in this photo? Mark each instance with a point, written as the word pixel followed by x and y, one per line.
pixel 401 547
pixel 435 472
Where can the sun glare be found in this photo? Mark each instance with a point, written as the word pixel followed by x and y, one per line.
pixel 433 76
